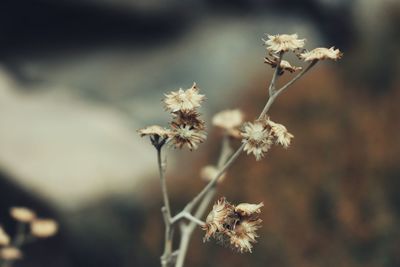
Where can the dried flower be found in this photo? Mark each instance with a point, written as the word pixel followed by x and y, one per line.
pixel 244 234
pixel 283 137
pixel 283 42
pixel 257 139
pixel 44 228
pixel 234 226
pixel 284 66
pixel 188 136
pixel 10 253
pixel 183 100
pixel 220 216
pixel 155 130
pixel 4 237
pixel 209 172
pixel 228 119
pixel 321 53
pixel 246 209
pixel 22 214
pixel 191 118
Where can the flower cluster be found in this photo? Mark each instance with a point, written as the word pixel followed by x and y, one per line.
pixel 234 226
pixel 39 228
pixel 186 128
pixel 259 136
pixel 278 44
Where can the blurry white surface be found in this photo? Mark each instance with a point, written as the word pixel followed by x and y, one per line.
pixel 68 150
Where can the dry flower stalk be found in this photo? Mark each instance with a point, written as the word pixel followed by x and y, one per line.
pixel 39 228
pixel 233 226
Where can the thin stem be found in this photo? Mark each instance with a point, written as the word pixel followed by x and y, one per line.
pixel 271 88
pixel 298 76
pixel 163 183
pixel 166 212
pixel 188 216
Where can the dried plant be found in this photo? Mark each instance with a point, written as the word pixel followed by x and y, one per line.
pixel 29 229
pixel 229 225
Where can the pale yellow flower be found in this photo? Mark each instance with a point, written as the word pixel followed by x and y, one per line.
pixel 257 139
pixel 155 130
pixel 188 136
pixel 4 237
pixel 321 53
pixel 10 253
pixel 183 100
pixel 283 42
pixel 22 214
pixel 208 173
pixel 246 209
pixel 44 228
pixel 281 134
pixel 228 119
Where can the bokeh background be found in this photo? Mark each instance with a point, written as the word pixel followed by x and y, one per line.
pixel 78 77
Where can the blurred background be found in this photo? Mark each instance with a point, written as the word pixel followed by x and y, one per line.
pixel 77 78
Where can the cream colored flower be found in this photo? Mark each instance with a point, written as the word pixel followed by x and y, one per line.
pixel 220 216
pixel 188 136
pixel 190 118
pixel 22 214
pixel 228 119
pixel 181 100
pixel 257 139
pixel 4 237
pixel 244 234
pixel 208 173
pixel 44 228
pixel 282 136
pixel 283 42
pixel 234 226
pixel 155 130
pixel 10 253
pixel 246 209
pixel 285 65
pixel 321 53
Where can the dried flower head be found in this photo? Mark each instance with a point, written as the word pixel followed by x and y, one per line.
pixel 228 119
pixel 183 100
pixel 208 173
pixel 257 139
pixel 284 66
pixel 244 234
pixel 188 136
pixel 246 209
pixel 22 214
pixel 191 118
pixel 10 253
pixel 220 216
pixel 283 42
pixel 234 226
pixel 282 136
pixel 44 228
pixel 321 53
pixel 4 237
pixel 155 130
